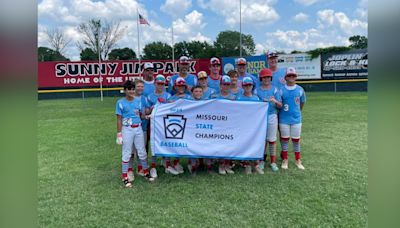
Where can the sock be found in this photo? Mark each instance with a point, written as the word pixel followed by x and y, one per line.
pixel 285 147
pixel 297 155
pixel 296 145
pixel 176 161
pixel 125 169
pixel 143 164
pixel 167 163
pixel 284 155
pixel 271 148
pixel 209 167
pixel 139 168
pixel 272 158
pixel 145 171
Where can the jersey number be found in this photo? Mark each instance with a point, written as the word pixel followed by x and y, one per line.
pixel 285 107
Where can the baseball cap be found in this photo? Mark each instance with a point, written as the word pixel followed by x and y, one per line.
pixel 201 74
pixel 148 65
pixel 247 81
pixel 226 80
pixel 272 53
pixel 265 73
pixel 184 60
pixel 291 71
pixel 180 82
pixel 241 61
pixel 215 61
pixel 160 79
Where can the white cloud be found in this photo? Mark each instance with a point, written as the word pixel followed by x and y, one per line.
pixel 200 37
pixel 253 11
pixel 306 2
pixel 176 7
pixel 301 17
pixel 330 18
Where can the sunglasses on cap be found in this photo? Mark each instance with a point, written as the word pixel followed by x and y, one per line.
pixel 149 69
pixel 291 75
pixel 130 88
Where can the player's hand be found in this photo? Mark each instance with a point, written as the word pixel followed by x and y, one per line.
pixel 147 117
pixel 273 100
pixel 161 100
pixel 119 138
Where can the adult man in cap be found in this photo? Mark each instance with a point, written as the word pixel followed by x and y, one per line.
pixel 241 65
pixel 278 74
pixel 190 79
pixel 214 77
pixel 148 78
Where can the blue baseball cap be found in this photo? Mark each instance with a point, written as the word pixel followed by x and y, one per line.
pixel 160 78
pixel 247 81
pixel 226 80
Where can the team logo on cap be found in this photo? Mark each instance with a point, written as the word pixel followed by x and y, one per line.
pixel 180 81
pixel 241 61
pixel 291 71
pixel 160 78
pixel 202 74
pixel 174 126
pixel 247 81
pixel 215 61
pixel 184 60
pixel 226 79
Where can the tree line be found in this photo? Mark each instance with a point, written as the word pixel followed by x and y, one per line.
pixel 100 39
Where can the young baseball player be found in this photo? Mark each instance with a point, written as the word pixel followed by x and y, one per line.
pixel 194 163
pixel 129 132
pixel 293 99
pixel 202 81
pixel 158 96
pixel 224 166
pixel 148 78
pixel 190 79
pixel 215 77
pixel 278 79
pixel 247 85
pixel 235 89
pixel 241 66
pixel 269 93
pixel 180 87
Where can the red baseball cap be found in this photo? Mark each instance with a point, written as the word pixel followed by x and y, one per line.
pixel 265 73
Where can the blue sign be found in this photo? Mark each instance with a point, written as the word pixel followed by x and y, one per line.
pixel 254 64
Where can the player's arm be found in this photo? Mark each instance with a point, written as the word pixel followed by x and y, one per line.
pixel 119 129
pixel 302 100
pixel 301 106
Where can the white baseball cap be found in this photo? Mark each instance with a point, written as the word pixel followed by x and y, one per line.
pixel 184 60
pixel 215 61
pixel 272 53
pixel 291 71
pixel 241 61
pixel 148 65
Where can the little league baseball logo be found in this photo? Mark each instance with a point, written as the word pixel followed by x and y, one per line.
pixel 297 100
pixel 174 126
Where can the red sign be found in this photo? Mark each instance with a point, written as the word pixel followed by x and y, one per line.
pixel 112 73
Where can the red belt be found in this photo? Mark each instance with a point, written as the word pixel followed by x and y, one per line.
pixel 135 125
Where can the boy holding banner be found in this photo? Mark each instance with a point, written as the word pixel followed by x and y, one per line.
pixel 129 132
pixel 269 93
pixel 293 99
pixel 248 85
pixel 202 81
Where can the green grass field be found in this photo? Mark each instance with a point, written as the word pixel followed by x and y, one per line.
pixel 79 175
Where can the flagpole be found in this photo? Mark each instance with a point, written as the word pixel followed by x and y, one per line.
pixel 138 39
pixel 173 53
pixel 240 16
pixel 99 56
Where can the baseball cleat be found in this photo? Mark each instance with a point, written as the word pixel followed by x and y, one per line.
pixel 179 168
pixel 247 169
pixel 140 173
pixel 127 183
pixel 274 167
pixel 258 170
pixel 221 170
pixel 153 173
pixel 148 177
pixel 298 164
pixel 285 164
pixel 131 176
pixel 229 170
pixel 261 165
pixel 190 168
pixel 171 170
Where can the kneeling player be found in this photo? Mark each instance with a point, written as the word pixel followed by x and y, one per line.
pixel 293 99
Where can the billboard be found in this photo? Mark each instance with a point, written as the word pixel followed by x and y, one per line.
pixel 345 65
pixel 306 67
pixel 254 64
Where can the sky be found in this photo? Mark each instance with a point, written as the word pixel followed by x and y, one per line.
pixel 284 25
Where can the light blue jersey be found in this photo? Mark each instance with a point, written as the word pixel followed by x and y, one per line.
pixel 154 98
pixel 208 94
pixel 238 92
pixel 190 79
pixel 143 100
pixel 215 84
pixel 175 97
pixel 127 109
pixel 254 78
pixel 242 97
pixel 148 88
pixel 265 94
pixel 278 78
pixel 219 96
pixel 292 97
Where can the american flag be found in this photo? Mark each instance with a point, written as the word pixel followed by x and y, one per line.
pixel 143 21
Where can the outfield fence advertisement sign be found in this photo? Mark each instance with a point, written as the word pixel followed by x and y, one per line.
pixel 254 64
pixel 113 73
pixel 209 129
pixel 306 67
pixel 351 64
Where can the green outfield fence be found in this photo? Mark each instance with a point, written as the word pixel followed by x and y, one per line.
pixel 344 85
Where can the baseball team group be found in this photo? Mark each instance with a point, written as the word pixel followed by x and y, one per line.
pixel 273 84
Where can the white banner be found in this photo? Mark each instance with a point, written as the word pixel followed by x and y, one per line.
pixel 306 67
pixel 209 129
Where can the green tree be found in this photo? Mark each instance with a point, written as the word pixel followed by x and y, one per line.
pixel 157 50
pixel 122 54
pixel 296 52
pixel 194 49
pixel 228 44
pixel 318 51
pixel 46 54
pixel 358 42
pixel 89 54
